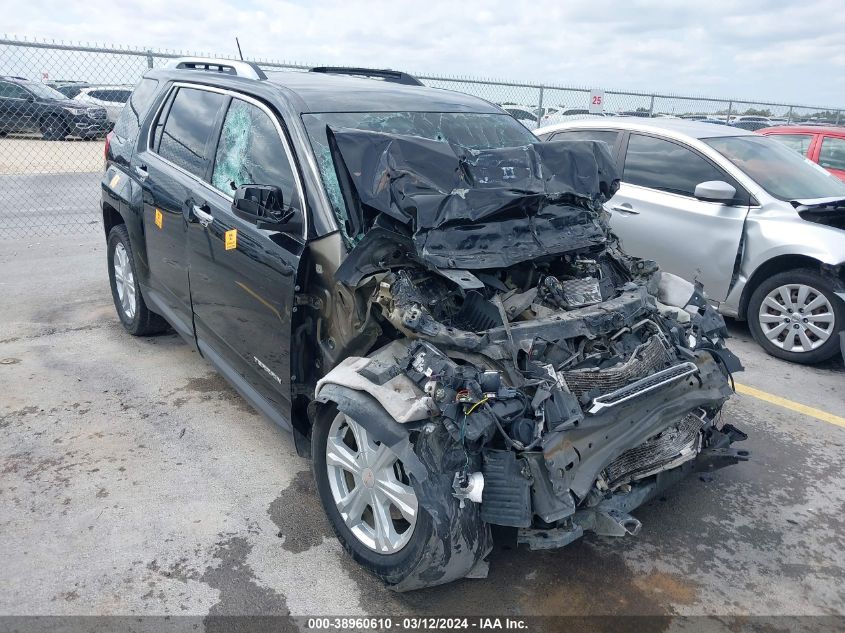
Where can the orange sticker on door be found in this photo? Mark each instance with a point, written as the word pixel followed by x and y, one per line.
pixel 159 218
pixel 231 239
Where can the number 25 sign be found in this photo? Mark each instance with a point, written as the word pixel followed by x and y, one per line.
pixel 596 101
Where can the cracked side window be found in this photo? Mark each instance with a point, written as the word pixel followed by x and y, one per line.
pixel 251 152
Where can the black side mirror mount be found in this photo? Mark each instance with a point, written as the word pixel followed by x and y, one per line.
pixel 264 206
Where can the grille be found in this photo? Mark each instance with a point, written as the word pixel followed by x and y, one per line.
pixel 673 446
pixel 643 386
pixel 581 292
pixel 648 358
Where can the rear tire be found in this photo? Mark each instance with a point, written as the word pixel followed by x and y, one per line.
pixel 53 128
pixel 430 554
pixel 126 291
pixel 795 315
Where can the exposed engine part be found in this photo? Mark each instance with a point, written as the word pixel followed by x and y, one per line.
pixel 573 382
pixel 507 494
pixel 669 449
pixel 469 486
pixel 649 357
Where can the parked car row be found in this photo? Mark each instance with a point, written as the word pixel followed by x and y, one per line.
pixel 759 226
pixel 59 110
pixel 32 107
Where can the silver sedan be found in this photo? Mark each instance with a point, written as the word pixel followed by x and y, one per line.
pixel 761 227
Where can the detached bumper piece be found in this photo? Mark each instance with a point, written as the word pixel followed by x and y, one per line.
pixel 642 386
pixel 651 468
pixel 671 448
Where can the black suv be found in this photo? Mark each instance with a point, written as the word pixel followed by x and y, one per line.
pixel 423 293
pixel 28 106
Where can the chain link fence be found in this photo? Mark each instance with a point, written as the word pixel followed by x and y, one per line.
pixel 58 101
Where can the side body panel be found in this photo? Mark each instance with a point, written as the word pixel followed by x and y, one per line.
pixel 242 289
pixel 691 238
pixel 243 277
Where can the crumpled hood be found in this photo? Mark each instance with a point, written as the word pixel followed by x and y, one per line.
pixel 473 209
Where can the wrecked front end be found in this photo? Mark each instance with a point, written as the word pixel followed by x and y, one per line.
pixel 574 382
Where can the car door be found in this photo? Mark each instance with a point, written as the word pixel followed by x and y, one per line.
pixel 831 155
pixel 169 169
pixel 242 276
pixel 657 216
pixel 16 108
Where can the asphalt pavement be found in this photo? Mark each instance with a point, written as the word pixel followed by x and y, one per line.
pixel 41 205
pixel 135 481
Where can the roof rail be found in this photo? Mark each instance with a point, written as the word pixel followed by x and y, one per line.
pixel 393 76
pixel 234 67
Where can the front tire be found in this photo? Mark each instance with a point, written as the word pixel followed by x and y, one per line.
pixel 410 534
pixel 796 315
pixel 53 128
pixel 126 291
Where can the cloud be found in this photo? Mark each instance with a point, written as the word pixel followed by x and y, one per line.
pixel 756 49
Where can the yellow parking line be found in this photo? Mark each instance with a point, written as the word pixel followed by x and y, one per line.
pixel 789 404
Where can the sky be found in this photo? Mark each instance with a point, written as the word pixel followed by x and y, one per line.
pixel 760 50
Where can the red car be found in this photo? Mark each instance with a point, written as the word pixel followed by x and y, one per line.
pixel 822 145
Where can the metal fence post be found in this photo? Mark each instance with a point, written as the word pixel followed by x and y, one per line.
pixel 730 108
pixel 789 115
pixel 540 107
pixel 149 58
pixel 838 115
pixel 651 107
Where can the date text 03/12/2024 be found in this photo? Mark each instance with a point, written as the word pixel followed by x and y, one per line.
pixel 416 624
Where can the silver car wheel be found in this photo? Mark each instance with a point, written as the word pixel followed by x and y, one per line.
pixel 124 281
pixel 370 488
pixel 797 318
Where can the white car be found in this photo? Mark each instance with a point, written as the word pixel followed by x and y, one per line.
pixel 562 116
pixel 112 98
pixel 527 115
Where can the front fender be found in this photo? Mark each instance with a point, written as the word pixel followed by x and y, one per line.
pixel 397 394
pixel 768 238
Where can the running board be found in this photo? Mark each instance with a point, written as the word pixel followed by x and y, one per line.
pixel 642 386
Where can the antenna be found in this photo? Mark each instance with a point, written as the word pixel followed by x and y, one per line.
pixel 239 48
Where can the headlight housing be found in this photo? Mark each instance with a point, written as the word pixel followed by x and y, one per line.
pixel 74 109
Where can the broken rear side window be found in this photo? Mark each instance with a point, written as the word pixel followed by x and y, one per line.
pixel 473 130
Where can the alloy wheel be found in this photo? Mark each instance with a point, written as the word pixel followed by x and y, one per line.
pixel 370 488
pixel 124 281
pixel 797 318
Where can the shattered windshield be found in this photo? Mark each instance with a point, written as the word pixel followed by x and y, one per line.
pixel 469 129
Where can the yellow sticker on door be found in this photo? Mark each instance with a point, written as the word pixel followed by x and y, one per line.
pixel 231 239
pixel 159 218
